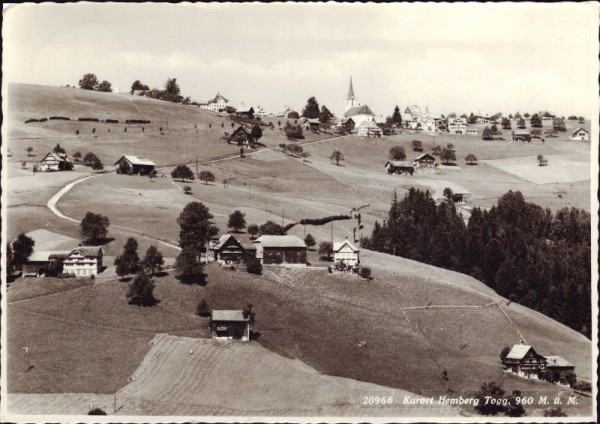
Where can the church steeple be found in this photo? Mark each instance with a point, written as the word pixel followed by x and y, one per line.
pixel 351 98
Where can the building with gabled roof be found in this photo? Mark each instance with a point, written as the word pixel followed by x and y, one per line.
pixel 580 134
pixel 346 254
pixel 524 361
pixel 369 129
pixel 229 325
pixel 55 162
pixel 278 250
pixel 241 136
pixel 559 367
pixel 399 167
pixel 359 113
pixel 136 164
pixel 217 103
pixel 243 111
pixel 230 249
pixel 84 261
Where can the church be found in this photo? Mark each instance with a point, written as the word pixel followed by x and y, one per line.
pixel 359 113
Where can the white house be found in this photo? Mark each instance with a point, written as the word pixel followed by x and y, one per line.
pixel 55 162
pixel 359 113
pixel 457 125
pixel 483 117
pixel 346 253
pixel 83 261
pixel 216 104
pixel 580 134
pixel 369 129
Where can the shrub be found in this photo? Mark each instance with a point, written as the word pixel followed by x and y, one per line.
pixel 112 121
pixel 554 412
pixel 137 121
pixel 202 308
pixel 365 272
pixel 323 221
pixel 43 120
pixel 583 386
pixel 96 411
pixel 254 266
pixel 31 120
pixel 89 119
pixel 60 118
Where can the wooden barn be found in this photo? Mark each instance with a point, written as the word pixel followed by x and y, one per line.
pixel 38 262
pixel 399 167
pixel 55 162
pixel 347 124
pixel 229 325
pixel 524 361
pixel 425 159
pixel 246 112
pixel 278 250
pixel 135 165
pixel 559 367
pixel 240 136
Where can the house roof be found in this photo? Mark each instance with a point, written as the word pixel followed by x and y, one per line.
pixel 580 129
pixel 136 160
pixel 368 124
pixel 345 120
pixel 359 110
pixel 217 97
pixel 88 251
pixel 313 121
pixel 228 315
pixel 224 239
pixel 280 241
pixel 423 155
pixel 350 91
pixel 518 351
pixel 397 163
pixel 339 245
pixel 557 361
pixel 244 109
pixel 44 255
pixel 57 157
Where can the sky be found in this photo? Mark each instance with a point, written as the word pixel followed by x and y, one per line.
pixel 450 57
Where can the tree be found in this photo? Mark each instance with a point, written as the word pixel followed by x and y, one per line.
pixel 237 221
pixel 94 227
pixel 526 115
pixel 10 263
pixel 448 193
pixel 311 110
pixel 252 230
pixel 494 129
pixel 436 150
pixel 510 116
pixel 397 117
pixel 77 156
pixel 506 125
pixel 514 408
pixel 365 272
pixel 152 174
pixel 270 228
pixel 128 262
pixel 153 260
pixel 397 153
pixel 189 269
pixel 89 158
pixel 29 149
pixel 447 155
pixel 97 165
pixel 105 87
pixel 491 390
pixel 88 82
pixel 96 411
pixel 518 115
pixel 504 353
pixel 325 115
pixel 472 119
pixel 541 160
pixel 310 241
pixel 202 309
pixel 571 378
pixel 207 177
pixel 554 412
pixel 559 124
pixel 417 146
pixel 182 172
pixel 293 115
pixel 141 291
pixel 487 134
pixel 253 266
pixel 536 121
pixel 22 248
pixel 58 149
pixel 521 123
pixel 249 314
pixel 337 156
pixel 137 85
pixel 256 132
pixel 326 249
pixel 581 120
pixel 471 158
pixel 196 227
pixel 172 91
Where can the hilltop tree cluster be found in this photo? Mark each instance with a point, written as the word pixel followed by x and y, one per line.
pixel 524 252
pixel 90 82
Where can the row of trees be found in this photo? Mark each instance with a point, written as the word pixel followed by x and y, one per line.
pixel 524 252
pixel 312 111
pixel 90 82
pixel 171 92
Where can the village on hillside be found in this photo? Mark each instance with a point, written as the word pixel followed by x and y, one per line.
pixel 353 248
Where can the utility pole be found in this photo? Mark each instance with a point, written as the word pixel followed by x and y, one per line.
pixel 26 349
pixel 196 165
pixel 282 217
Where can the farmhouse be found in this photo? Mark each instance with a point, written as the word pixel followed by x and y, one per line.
pixel 244 111
pixel 83 261
pixel 461 196
pixel 521 135
pixel 559 367
pixel 312 124
pixel 230 249
pixel 284 113
pixel 580 134
pixel 457 125
pixel 346 254
pixel 524 361
pixel 369 129
pixel 399 167
pixel 240 137
pixel 55 162
pixel 471 131
pixel 347 124
pixel 277 250
pixel 217 103
pixel 425 159
pixel 229 325
pixel 483 117
pixel 136 165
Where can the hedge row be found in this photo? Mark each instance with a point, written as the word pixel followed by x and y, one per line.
pixel 323 221
pixel 61 118
pixel 112 121
pixel 36 120
pixel 137 121
pixel 89 119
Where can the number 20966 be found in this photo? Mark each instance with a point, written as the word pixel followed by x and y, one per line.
pixel 377 400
